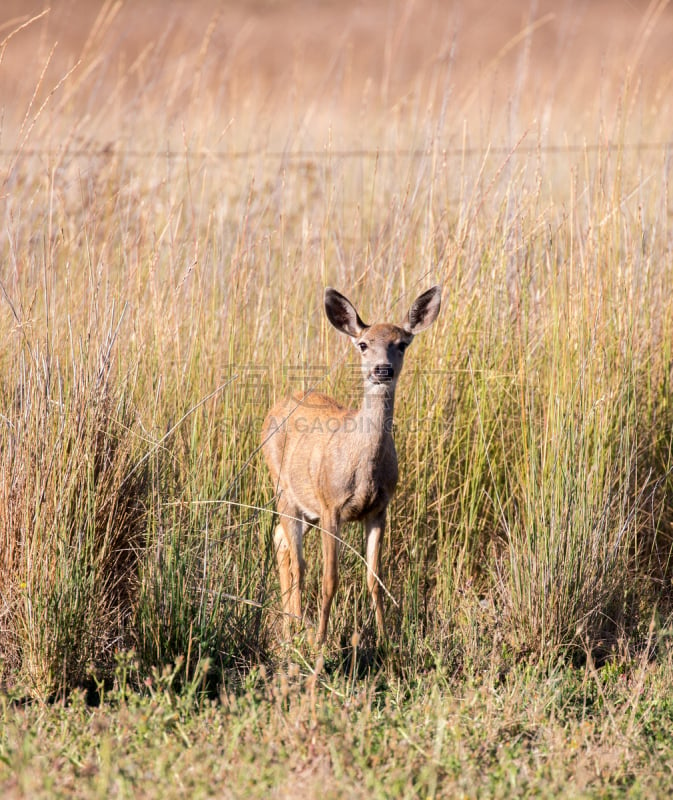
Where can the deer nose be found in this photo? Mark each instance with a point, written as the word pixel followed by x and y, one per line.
pixel 383 373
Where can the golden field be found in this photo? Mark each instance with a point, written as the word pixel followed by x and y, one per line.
pixel 178 184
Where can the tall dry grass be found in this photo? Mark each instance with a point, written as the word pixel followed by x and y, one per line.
pixel 163 260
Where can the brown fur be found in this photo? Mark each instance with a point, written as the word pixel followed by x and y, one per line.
pixel 331 465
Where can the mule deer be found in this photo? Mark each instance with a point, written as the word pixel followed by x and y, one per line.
pixel 331 464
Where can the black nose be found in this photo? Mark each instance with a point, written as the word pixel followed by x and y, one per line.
pixel 384 372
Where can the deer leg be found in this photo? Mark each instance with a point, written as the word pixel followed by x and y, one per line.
pixel 282 549
pixel 288 543
pixel 330 574
pixel 374 527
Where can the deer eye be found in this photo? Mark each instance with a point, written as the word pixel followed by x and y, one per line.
pixel 362 347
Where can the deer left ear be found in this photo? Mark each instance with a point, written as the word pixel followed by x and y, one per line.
pixel 424 311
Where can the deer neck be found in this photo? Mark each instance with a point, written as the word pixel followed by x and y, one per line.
pixel 376 412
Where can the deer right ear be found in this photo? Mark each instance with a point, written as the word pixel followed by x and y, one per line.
pixel 341 313
pixel 424 311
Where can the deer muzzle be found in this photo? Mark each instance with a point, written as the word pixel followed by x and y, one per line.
pixel 382 373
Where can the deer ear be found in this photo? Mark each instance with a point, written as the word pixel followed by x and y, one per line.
pixel 424 311
pixel 341 313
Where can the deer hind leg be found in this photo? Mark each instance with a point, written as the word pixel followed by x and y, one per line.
pixel 282 549
pixel 374 527
pixel 330 566
pixel 288 544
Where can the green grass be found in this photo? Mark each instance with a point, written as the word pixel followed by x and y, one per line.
pixel 153 306
pixel 556 731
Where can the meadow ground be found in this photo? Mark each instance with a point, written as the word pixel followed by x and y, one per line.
pixel 178 183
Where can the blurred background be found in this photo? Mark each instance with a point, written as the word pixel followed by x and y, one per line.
pixel 513 63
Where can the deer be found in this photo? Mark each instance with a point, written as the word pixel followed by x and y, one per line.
pixel 332 465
